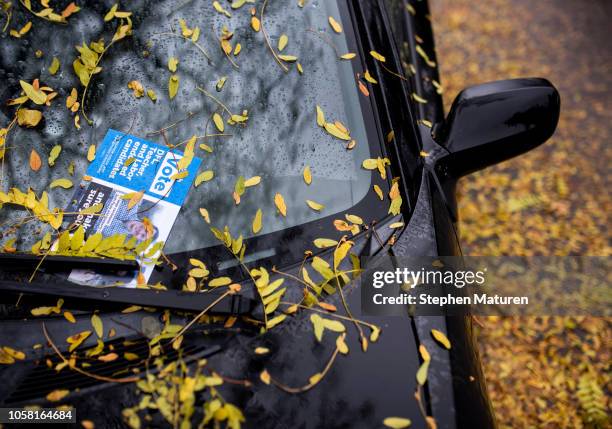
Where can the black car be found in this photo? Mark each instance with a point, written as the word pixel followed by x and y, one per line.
pixel 307 91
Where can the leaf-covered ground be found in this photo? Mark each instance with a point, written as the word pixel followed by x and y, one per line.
pixel 541 372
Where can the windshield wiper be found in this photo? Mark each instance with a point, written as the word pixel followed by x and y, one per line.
pixel 20 261
pixel 160 299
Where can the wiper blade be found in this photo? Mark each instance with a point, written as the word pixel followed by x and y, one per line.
pixel 19 261
pixel 160 299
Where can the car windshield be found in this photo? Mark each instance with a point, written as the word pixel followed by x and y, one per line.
pixel 277 143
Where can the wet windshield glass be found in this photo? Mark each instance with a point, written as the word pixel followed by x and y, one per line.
pixel 279 140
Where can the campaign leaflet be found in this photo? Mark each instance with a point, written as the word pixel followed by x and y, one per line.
pixel 125 164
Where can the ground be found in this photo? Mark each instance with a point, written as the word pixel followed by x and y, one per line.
pixel 541 372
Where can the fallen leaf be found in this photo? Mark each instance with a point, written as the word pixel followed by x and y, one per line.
pixel 335 25
pixel 28 117
pixel 307 175
pixel 62 183
pixel 35 161
pixel 280 204
pixel 397 422
pixel 257 222
pixel 173 86
pixel 441 338
pixel 57 395
pixel 314 205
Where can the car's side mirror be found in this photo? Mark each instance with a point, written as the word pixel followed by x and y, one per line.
pixel 495 121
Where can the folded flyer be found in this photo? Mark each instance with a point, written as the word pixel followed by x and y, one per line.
pixel 125 164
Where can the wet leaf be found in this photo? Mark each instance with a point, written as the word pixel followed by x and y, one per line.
pixel 36 95
pixel 341 344
pixel 348 56
pixel 336 132
pixel 62 183
pixel 367 76
pixel 77 339
pixel 152 95
pixel 307 175
pixel 96 323
pixel 54 67
pixel 397 422
pixel 253 181
pixel 421 375
pixel 35 161
pixel 57 395
pixel 219 281
pixel 136 87
pixel 173 86
pixel 282 42
pixel 28 117
pixel 109 357
pixel 288 58
pixel 204 176
pixel 205 214
pixel 91 152
pixel 279 201
pixel 416 97
pixel 264 376
pixel 172 64
pixel 323 243
pixel 320 117
pixel 377 56
pixel 262 350
pixel 218 120
pixel 379 192
pixel 255 23
pixel 69 317
pixel 257 222
pixel 335 25
pixel 441 338
pixel 314 205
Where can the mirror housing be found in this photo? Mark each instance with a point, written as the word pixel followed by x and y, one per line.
pixel 495 121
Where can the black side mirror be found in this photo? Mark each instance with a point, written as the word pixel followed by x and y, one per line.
pixel 495 121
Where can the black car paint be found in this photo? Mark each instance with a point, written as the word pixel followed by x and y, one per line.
pixel 363 388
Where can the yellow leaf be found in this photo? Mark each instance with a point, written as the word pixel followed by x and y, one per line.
pixel 172 64
pixel 205 214
pixel 320 117
pixel 280 204
pixel 441 338
pixel 91 153
pixel 314 379
pixel 57 395
pixel 335 25
pixel 323 243
pixel 255 23
pixel 379 192
pixel 111 13
pixel 96 322
pixel 307 175
pixel 136 87
pixel 152 95
pixel 257 222
pixel 377 56
pixel 35 161
pixel 354 219
pixel 424 353
pixel 397 422
pixel 348 56
pixel 108 357
pixel 219 281
pixel 133 197
pixel 62 183
pixel 28 117
pixel 288 58
pixel 314 205
pixel 418 98
pixel 341 344
pixel 173 86
pixel 261 350
pixel 76 339
pixel 421 375
pixel 253 181
pixel 36 95
pixel 369 164
pixel 265 377
pixel 218 120
pixel 204 176
pixel 367 76
pixel 54 67
pixel 282 42
pixel 69 317
pixel 336 132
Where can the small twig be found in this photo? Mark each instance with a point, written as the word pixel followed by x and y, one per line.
pixel 160 131
pixel 215 99
pixel 308 386
pixel 81 371
pixel 267 38
pixel 337 316
pixel 202 313
pixel 180 36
